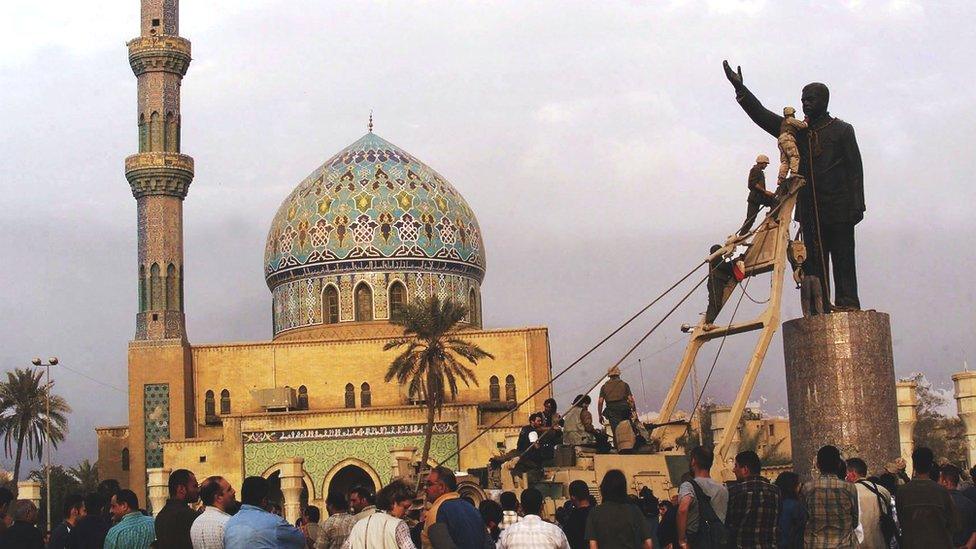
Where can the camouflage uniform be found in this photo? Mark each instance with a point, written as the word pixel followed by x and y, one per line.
pixel 789 155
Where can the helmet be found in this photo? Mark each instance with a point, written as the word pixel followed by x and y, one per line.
pixel 762 159
pixel 789 111
pixel 613 371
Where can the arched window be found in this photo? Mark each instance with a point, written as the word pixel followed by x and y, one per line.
pixel 364 302
pixel 303 397
pixel 494 391
pixel 125 459
pixel 143 134
pixel 398 300
pixel 350 396
pixel 143 300
pixel 225 402
pixel 510 388
pixel 365 396
pixel 330 305
pixel 172 289
pixel 155 288
pixel 474 315
pixel 155 132
pixel 209 405
pixel 169 143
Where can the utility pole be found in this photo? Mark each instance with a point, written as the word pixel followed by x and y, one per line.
pixel 53 361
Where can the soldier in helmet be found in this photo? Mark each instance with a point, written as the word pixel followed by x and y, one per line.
pixel 758 195
pixel 789 155
pixel 616 400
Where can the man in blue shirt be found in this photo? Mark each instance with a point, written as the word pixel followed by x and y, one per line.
pixel 450 518
pixel 133 529
pixel 254 528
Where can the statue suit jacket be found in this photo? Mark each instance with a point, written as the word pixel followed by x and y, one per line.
pixel 838 176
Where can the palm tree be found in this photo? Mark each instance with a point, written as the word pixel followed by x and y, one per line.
pixel 23 416
pixel 432 359
pixel 86 474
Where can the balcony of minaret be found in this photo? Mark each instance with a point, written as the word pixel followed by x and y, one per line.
pixel 159 54
pixel 159 173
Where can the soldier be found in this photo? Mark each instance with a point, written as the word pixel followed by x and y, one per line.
pixel 758 195
pixel 789 155
pixel 616 396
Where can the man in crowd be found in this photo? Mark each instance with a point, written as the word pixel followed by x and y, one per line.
pixel 23 533
pixel 90 530
pixel 578 428
pixel 510 506
pixel 616 400
pixel 579 494
pixel 207 531
pixel 753 505
pixel 532 532
pixel 873 501
pixel 925 509
pixel 831 504
pixel 689 508
pixel 132 529
pixel 254 528
pixel 335 530
pixel 362 501
pixel 552 423
pixel 531 451
pixel 450 519
pixel 310 528
pixel 175 518
pixel 74 510
pixel 965 536
pixel 6 498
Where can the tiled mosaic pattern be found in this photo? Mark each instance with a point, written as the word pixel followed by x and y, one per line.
pixel 298 304
pixel 369 204
pixel 155 402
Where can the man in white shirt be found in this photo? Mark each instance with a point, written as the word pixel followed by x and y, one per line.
pixel 532 532
pixel 689 514
pixel 207 531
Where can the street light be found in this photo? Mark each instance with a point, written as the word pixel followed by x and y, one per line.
pixel 53 361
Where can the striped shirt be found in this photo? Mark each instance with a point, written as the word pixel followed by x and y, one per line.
pixel 134 531
pixel 753 515
pixel 832 514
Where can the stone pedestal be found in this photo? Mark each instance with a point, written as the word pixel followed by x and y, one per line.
pixel 840 381
pixel 28 489
pixel 907 416
pixel 965 393
pixel 292 476
pixel 158 485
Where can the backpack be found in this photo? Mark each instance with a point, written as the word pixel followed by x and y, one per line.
pixel 889 528
pixel 712 533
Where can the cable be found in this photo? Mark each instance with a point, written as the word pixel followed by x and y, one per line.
pixel 89 378
pixel 498 421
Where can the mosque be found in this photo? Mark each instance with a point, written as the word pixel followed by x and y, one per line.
pixel 370 230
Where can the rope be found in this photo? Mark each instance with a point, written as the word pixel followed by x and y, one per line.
pixel 825 281
pixel 581 358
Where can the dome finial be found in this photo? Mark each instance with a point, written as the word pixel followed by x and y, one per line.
pixel 370 125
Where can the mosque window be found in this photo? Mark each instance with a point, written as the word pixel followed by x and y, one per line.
pixel 350 396
pixel 510 388
pixel 330 305
pixel 398 299
pixel 155 288
pixel 473 314
pixel 155 131
pixel 143 134
pixel 365 396
pixel 494 391
pixel 364 302
pixel 125 459
pixel 143 305
pixel 225 402
pixel 169 133
pixel 209 406
pixel 303 398
pixel 172 289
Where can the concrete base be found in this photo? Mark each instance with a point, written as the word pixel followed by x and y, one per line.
pixel 840 381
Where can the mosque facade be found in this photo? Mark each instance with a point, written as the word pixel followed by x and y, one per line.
pixel 370 230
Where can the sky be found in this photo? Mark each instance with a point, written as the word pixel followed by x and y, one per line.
pixel 599 144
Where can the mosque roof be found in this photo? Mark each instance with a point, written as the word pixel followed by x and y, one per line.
pixel 373 207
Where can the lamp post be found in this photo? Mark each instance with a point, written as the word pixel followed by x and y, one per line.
pixel 47 437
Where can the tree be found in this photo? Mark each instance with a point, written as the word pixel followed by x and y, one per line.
pixel 23 416
pixel 87 476
pixel 432 363
pixel 944 435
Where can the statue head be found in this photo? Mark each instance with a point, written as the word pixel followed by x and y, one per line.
pixel 815 97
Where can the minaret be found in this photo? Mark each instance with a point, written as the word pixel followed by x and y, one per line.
pixel 159 175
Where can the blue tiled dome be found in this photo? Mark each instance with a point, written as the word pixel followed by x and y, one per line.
pixel 372 208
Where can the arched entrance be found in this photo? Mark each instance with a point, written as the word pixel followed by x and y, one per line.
pixel 349 477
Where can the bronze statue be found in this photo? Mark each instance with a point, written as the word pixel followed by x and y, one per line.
pixel 832 201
